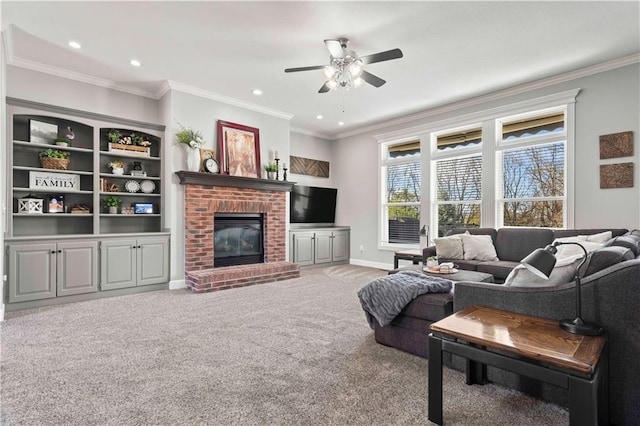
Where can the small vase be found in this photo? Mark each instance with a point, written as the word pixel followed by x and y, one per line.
pixel 193 159
pixel 271 175
pixel 117 171
pixel 113 210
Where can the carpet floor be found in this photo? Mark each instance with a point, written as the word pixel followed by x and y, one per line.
pixel 294 352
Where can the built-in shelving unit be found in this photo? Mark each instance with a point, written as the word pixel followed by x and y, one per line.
pixel 40 243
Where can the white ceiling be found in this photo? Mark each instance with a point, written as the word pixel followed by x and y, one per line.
pixel 452 50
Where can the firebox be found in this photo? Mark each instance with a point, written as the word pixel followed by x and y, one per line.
pixel 238 239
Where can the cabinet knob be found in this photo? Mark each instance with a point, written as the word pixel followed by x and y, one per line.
pixel 59 251
pixel 53 252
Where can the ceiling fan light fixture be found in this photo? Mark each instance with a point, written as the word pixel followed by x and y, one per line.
pixel 332 84
pixel 329 71
pixel 358 82
pixel 355 69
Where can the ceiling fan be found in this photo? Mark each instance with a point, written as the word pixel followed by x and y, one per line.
pixel 346 68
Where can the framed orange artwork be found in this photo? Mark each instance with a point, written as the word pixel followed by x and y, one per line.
pixel 239 148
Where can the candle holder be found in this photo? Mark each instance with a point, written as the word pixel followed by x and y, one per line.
pixel 277 168
pixel 284 177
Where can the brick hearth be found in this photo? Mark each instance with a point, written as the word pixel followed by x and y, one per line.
pixel 206 195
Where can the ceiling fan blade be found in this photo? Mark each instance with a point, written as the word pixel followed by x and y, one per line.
pixel 382 56
pixel 325 88
pixel 372 79
pixel 335 48
pixel 315 67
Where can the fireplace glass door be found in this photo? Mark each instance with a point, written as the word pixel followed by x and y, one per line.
pixel 238 239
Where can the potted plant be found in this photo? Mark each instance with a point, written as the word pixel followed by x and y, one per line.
pixel 62 141
pixel 117 167
pixel 54 159
pixel 271 169
pixel 432 261
pixel 112 203
pixel 192 141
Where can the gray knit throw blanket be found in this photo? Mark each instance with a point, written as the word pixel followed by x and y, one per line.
pixel 384 298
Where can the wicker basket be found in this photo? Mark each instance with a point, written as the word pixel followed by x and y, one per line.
pixel 54 163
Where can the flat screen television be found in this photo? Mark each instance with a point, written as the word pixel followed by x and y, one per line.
pixel 311 204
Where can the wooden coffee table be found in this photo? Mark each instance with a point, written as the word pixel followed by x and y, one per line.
pixel 530 346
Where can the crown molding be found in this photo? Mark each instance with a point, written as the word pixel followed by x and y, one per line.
pixel 500 94
pixel 76 76
pixel 184 88
pixel 309 133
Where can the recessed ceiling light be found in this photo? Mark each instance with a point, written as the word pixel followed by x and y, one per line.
pixel 75 44
pixel 340 123
pixel 319 117
pixel 257 92
pixel 135 63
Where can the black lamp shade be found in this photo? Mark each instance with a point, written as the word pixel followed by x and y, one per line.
pixel 540 262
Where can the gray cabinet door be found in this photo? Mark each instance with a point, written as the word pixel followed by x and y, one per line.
pixel 32 272
pixel 118 264
pixel 302 248
pixel 77 267
pixel 152 261
pixel 323 247
pixel 340 246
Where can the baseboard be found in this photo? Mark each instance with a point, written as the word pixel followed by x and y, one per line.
pixel 377 265
pixel 177 284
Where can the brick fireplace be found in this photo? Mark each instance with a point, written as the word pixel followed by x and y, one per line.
pixel 208 194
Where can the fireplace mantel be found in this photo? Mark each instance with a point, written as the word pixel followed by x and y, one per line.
pixel 210 179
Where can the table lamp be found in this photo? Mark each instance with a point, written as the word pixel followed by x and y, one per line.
pixel 541 263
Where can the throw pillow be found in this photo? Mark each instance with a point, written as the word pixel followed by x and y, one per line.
pixel 569 250
pixel 449 247
pixel 631 242
pixel 478 247
pixel 605 257
pixel 563 272
pixel 602 237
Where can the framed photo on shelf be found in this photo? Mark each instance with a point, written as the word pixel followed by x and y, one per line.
pixel 41 132
pixel 55 203
pixel 239 148
pixel 206 154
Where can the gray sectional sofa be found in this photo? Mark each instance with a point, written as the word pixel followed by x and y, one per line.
pixel 610 297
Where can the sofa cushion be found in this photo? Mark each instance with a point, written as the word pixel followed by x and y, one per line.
pixel 430 306
pixel 514 244
pixel 629 241
pixel 500 269
pixel 478 247
pixel 563 272
pixel 604 257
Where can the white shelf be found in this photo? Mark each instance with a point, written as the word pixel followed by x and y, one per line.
pixel 131 194
pixel 120 215
pixel 42 169
pixel 52 146
pixel 53 215
pixel 128 177
pixel 50 191
pixel 132 156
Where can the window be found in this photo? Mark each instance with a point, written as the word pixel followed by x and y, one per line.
pixel 457 179
pixel 531 157
pixel 513 167
pixel 401 193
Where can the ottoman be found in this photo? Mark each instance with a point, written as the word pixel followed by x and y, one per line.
pixel 410 329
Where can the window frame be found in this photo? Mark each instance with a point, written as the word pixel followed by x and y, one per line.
pixel 383 204
pixel 528 142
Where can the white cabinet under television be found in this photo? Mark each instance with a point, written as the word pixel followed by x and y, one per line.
pixel 319 246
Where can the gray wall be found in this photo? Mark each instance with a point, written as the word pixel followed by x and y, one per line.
pixel 608 103
pixel 50 89
pixel 3 163
pixel 316 148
